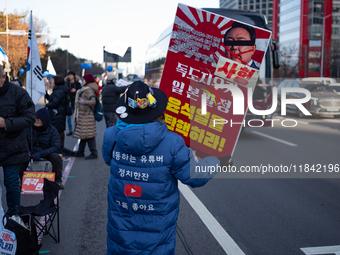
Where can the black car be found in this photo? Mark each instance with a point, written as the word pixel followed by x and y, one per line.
pixel 324 101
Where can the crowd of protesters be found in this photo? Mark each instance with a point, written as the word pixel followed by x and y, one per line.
pixel 133 128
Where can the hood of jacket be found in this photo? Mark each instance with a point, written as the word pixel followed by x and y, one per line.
pixel 139 140
pixel 76 79
pixel 45 118
pixel 61 87
pixel 93 86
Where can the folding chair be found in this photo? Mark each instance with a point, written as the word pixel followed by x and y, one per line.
pixel 41 166
pixel 46 211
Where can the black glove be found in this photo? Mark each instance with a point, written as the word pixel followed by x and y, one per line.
pixel 224 161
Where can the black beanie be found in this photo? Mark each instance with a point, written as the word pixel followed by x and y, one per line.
pixel 71 72
pixel 58 80
pixel 44 116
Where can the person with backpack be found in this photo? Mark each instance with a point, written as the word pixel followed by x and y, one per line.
pixel 57 106
pixel 85 123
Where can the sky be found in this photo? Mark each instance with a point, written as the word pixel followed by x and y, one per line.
pixel 93 24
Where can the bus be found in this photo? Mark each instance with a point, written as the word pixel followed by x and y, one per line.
pixel 262 96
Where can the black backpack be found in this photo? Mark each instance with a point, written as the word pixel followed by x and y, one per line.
pixel 98 109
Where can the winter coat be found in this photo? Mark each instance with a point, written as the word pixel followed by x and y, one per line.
pixel 85 124
pixel 57 107
pixel 18 110
pixel 110 96
pixel 45 142
pixel 143 196
pixel 76 85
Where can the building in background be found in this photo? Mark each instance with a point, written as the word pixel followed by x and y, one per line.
pixel 263 6
pixel 303 31
pixel 307 32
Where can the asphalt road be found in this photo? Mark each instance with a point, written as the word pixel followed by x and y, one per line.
pixel 274 216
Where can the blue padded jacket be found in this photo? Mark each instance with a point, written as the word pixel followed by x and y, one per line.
pixel 143 196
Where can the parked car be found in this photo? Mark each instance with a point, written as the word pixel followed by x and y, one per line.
pixel 262 100
pixel 335 87
pixel 324 101
pixel 132 77
pixel 324 80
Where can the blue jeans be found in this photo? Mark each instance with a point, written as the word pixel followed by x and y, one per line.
pixel 69 123
pixel 12 184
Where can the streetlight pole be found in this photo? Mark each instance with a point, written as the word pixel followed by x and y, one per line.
pixel 7 64
pixel 66 36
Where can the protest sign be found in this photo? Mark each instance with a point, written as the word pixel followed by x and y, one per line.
pixel 206 51
pixel 33 182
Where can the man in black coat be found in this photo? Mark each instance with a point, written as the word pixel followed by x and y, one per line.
pixel 110 95
pixel 17 112
pixel 57 104
pixel 73 84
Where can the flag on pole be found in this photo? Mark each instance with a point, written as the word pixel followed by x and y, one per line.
pixel 3 56
pixel 50 67
pixel 35 85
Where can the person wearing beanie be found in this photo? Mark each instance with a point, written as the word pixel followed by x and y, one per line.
pixel 110 94
pixel 57 106
pixel 85 124
pixel 73 85
pixel 146 161
pixel 46 144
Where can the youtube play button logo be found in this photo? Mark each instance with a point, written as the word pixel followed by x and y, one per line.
pixel 133 190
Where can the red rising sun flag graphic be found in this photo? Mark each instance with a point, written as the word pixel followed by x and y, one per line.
pixel 133 190
pixel 206 52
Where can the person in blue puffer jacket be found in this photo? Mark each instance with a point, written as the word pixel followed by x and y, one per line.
pixel 146 160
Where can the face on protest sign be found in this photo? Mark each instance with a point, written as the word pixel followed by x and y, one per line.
pixel 206 51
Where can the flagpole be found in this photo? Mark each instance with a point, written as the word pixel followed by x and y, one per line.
pixel 31 168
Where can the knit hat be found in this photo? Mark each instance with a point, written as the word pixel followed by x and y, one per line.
pixel 44 116
pixel 71 72
pixel 89 78
pixel 58 80
pixel 141 103
pixel 111 76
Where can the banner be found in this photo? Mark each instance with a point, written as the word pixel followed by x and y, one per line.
pixel 35 85
pixel 206 52
pixel 112 57
pixel 50 67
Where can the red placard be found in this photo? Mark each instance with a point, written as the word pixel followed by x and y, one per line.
pixel 33 182
pixel 199 59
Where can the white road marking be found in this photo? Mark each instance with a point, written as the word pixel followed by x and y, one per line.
pixel 274 138
pixel 322 250
pixel 303 122
pixel 222 237
pixel 330 120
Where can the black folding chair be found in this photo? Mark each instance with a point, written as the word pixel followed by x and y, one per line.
pixel 46 211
